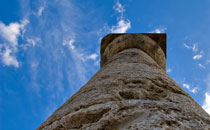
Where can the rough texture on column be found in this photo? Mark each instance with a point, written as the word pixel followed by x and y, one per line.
pixel 131 91
pixel 122 42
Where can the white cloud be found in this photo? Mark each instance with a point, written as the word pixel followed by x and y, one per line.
pixel 33 41
pixel 119 7
pixel 197 57
pixel 208 61
pixel 186 86
pixel 40 11
pixel 11 32
pixel 201 66
pixel 70 44
pixel 34 64
pixel 55 54
pixel 122 26
pixel 78 57
pixel 9 35
pixel 187 46
pixel 194 47
pixel 206 105
pixel 97 62
pixel 192 90
pixel 92 56
pixel 9 59
pixel 159 30
pixel 169 70
pixel 78 53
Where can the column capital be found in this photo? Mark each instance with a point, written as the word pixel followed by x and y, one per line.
pixel 153 44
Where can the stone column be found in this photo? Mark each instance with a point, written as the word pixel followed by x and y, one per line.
pixel 131 91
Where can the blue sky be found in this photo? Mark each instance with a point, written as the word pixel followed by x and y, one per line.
pixel 50 48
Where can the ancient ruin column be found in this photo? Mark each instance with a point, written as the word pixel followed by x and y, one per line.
pixel 131 91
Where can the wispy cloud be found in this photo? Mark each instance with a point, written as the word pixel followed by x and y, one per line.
pixel 122 24
pixel 201 66
pixel 76 53
pixel 197 57
pixel 9 34
pixel 206 104
pixel 70 44
pixel 169 70
pixel 118 7
pixel 92 56
pixel 33 41
pixel 8 58
pixel 159 30
pixel 61 54
pixel 194 47
pixel 187 46
pixel 64 56
pixel 81 55
pixel 40 11
pixel 188 87
pixel 80 58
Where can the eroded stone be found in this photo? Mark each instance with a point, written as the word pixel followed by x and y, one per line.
pixel 130 92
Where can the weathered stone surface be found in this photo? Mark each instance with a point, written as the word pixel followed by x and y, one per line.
pixel 141 42
pixel 130 92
